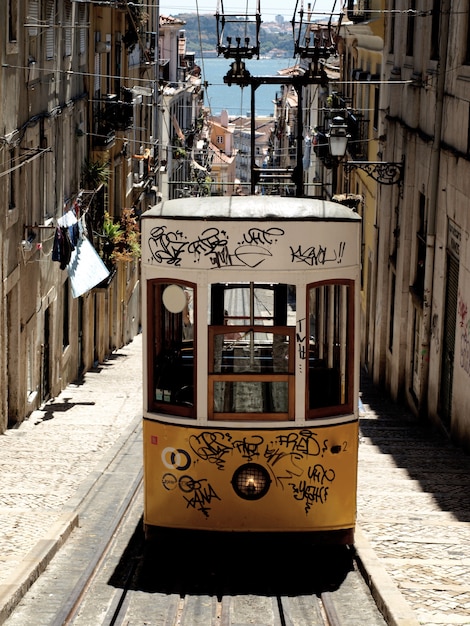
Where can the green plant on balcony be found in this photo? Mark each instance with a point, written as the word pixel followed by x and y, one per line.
pixel 179 150
pixel 95 173
pixel 121 239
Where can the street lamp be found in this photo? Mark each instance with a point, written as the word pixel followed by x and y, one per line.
pixel 338 137
pixel 382 172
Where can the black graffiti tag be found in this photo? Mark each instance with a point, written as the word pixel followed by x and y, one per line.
pixel 211 446
pixel 304 442
pixel 316 255
pixel 201 494
pixel 311 494
pixel 318 474
pixel 211 243
pixel 315 489
pixel 166 247
pixel 249 449
pixel 258 236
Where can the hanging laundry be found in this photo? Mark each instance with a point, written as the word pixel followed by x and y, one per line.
pixel 63 247
pixel 86 269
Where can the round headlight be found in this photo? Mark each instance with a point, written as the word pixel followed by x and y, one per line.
pixel 251 481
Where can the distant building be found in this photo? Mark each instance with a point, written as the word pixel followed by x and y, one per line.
pixel 180 101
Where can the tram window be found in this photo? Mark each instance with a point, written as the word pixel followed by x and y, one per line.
pixel 330 356
pixel 171 356
pixel 251 352
pixel 268 304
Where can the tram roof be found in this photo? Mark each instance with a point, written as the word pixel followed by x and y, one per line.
pixel 252 207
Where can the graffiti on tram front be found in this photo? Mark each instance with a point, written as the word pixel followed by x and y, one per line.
pixel 318 255
pixel 198 494
pixel 294 461
pixel 170 247
pixel 254 247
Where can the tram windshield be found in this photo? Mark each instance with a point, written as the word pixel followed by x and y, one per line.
pixel 251 351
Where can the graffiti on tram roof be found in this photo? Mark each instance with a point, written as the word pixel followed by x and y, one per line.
pixel 252 248
pixel 294 461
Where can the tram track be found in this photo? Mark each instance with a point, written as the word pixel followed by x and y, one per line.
pixel 135 596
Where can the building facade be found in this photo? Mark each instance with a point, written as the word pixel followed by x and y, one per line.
pixel 427 119
pixel 77 161
pixel 408 67
pixel 180 121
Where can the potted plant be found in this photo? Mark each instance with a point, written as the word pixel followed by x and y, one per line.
pixel 127 243
pixel 121 239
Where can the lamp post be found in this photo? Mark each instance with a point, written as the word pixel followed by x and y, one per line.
pixel 385 173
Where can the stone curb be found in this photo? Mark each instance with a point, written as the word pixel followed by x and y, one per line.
pixel 34 564
pixel 390 601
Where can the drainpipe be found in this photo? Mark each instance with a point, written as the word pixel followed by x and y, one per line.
pixel 434 190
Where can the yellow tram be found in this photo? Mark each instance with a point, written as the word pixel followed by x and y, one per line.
pixel 251 374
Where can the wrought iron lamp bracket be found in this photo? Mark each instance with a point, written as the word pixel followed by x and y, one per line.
pixel 385 173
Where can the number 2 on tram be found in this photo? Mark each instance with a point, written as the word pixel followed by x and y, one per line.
pixel 251 374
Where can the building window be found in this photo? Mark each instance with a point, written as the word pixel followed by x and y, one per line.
pixel 68 32
pixel 418 285
pixel 392 312
pixel 82 21
pixel 468 132
pixel 435 28
pixel 29 367
pixel 12 21
pixel 467 42
pixel 391 42
pixel 33 17
pixel 12 184
pixel 50 30
pixel 410 29
pixel 376 107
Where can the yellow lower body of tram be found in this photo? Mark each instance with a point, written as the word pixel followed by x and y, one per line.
pixel 256 480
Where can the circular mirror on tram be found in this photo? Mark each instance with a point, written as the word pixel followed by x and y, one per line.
pixel 174 298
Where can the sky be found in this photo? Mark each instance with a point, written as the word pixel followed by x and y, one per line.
pixel 269 8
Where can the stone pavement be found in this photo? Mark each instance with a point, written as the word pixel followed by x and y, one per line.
pixel 413 513
pixel 413 534
pixel 52 460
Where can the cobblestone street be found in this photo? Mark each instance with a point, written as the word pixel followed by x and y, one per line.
pixel 413 535
pixel 413 508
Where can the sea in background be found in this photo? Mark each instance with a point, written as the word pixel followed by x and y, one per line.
pixel 233 99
